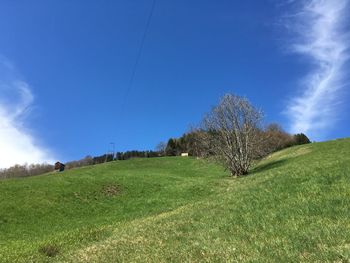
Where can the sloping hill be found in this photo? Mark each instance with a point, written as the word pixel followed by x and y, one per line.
pixel 295 206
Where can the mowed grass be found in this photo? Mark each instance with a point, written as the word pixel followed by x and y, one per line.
pixel 293 207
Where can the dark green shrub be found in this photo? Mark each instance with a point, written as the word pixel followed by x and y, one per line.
pixel 49 250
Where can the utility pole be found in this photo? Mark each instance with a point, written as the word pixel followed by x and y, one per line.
pixel 113 149
pixel 110 151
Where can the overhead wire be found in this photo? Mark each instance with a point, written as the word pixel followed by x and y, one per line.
pixel 138 56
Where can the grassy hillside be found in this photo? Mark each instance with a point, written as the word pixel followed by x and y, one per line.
pixel 295 206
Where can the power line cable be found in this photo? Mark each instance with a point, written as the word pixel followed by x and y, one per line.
pixel 133 73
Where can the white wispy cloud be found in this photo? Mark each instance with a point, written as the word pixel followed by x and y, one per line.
pixel 321 35
pixel 17 145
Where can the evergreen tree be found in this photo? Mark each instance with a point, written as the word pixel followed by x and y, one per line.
pixel 301 138
pixel 171 148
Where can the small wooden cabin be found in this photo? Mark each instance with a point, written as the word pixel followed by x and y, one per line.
pixel 59 166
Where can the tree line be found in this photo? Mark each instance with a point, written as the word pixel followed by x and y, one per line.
pixel 37 169
pixel 25 170
pixel 232 133
pixel 275 139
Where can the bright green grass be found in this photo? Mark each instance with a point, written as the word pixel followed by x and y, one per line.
pixel 293 207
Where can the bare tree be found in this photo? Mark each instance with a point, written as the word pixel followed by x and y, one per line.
pixel 232 133
pixel 25 170
pixel 275 138
pixel 161 147
pixel 197 143
pixel 87 160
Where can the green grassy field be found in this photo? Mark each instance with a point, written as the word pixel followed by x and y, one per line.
pixel 293 207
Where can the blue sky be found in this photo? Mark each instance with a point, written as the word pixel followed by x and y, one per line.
pixel 65 67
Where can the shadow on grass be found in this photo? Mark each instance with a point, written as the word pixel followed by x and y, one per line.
pixel 268 166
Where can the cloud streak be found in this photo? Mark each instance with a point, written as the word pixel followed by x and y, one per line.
pixel 321 36
pixel 17 145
